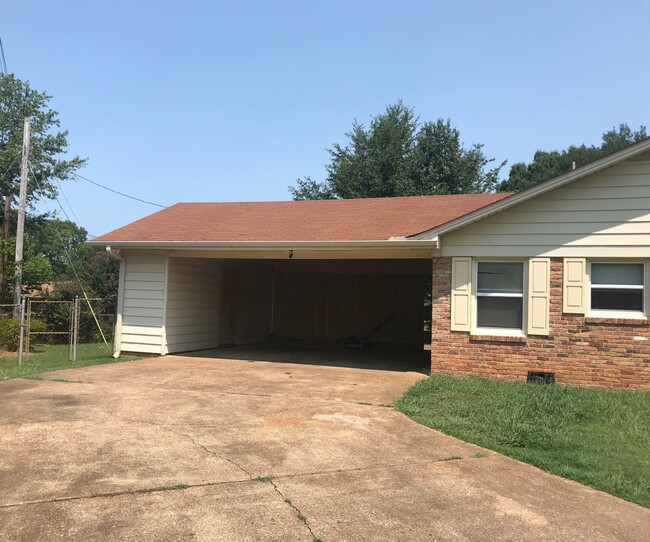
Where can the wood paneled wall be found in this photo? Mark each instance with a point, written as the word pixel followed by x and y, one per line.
pixel 329 301
pixel 246 301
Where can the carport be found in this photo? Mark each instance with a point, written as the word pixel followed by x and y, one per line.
pixel 211 301
pixel 216 302
pixel 336 273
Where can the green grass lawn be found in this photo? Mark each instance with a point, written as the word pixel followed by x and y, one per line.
pixel 597 437
pixel 55 357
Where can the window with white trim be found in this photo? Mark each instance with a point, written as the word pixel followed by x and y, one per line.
pixel 617 287
pixel 500 295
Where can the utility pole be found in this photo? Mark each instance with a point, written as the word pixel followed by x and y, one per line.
pixel 20 231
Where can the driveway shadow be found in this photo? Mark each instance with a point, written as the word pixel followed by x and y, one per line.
pixel 376 359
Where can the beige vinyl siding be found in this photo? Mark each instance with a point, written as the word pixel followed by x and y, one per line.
pixel 604 215
pixel 143 302
pixel 192 321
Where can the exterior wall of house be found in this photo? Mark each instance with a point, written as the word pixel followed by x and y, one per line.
pixel 193 294
pixel 603 215
pixel 579 349
pixel 142 303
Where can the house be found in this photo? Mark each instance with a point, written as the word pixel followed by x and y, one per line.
pixel 552 282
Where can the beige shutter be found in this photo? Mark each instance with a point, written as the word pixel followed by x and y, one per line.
pixel 574 300
pixel 461 294
pixel 539 279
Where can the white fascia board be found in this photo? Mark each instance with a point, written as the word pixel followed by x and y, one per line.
pixel 542 188
pixel 400 244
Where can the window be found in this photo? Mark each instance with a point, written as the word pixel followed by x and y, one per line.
pixel 617 287
pixel 500 295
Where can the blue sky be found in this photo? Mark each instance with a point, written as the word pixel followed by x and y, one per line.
pixel 227 101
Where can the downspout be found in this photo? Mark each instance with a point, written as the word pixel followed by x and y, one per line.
pixel 117 335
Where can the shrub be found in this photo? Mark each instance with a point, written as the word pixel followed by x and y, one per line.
pixel 10 332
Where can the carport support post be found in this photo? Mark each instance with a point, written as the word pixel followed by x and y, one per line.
pixel 22 332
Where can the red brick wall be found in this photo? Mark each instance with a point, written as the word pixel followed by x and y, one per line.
pixel 578 350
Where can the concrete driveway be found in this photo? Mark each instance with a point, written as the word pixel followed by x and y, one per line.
pixel 183 448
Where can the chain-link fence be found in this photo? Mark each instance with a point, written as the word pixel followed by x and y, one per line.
pixel 51 332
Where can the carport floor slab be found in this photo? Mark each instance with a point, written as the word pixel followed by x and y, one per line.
pixel 201 449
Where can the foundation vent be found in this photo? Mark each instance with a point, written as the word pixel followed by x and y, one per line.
pixel 537 377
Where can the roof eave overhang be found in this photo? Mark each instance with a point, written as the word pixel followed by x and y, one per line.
pixel 398 244
pixel 542 188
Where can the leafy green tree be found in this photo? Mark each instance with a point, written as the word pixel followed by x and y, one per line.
pixel 48 147
pixel 100 273
pixel 399 156
pixel 58 241
pixel 36 272
pixel 441 165
pixel 48 144
pixel 546 165
pixel 307 188
pixel 54 247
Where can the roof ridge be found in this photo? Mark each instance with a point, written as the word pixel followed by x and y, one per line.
pixel 346 200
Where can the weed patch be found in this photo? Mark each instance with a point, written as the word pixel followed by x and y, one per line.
pixel 54 358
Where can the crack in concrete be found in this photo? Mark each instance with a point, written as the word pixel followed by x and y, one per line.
pixel 175 379
pixel 181 486
pixel 38 378
pixel 155 489
pixel 445 459
pixel 190 438
pixel 299 514
pixel 223 458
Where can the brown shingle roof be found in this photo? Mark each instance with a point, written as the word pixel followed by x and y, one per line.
pixel 320 220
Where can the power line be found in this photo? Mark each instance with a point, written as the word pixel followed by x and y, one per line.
pixel 40 187
pixel 66 200
pixel 69 256
pixel 81 177
pixel 118 192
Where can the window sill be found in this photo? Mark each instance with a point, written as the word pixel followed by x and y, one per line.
pixel 617 321
pixel 516 339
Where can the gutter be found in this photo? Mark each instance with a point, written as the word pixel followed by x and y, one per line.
pixel 393 243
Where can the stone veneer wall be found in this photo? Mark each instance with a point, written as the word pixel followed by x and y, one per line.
pixel 579 350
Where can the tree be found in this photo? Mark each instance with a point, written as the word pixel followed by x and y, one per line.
pixel 58 241
pixel 399 156
pixel 546 165
pixel 441 165
pixel 18 101
pixel 36 272
pixel 48 144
